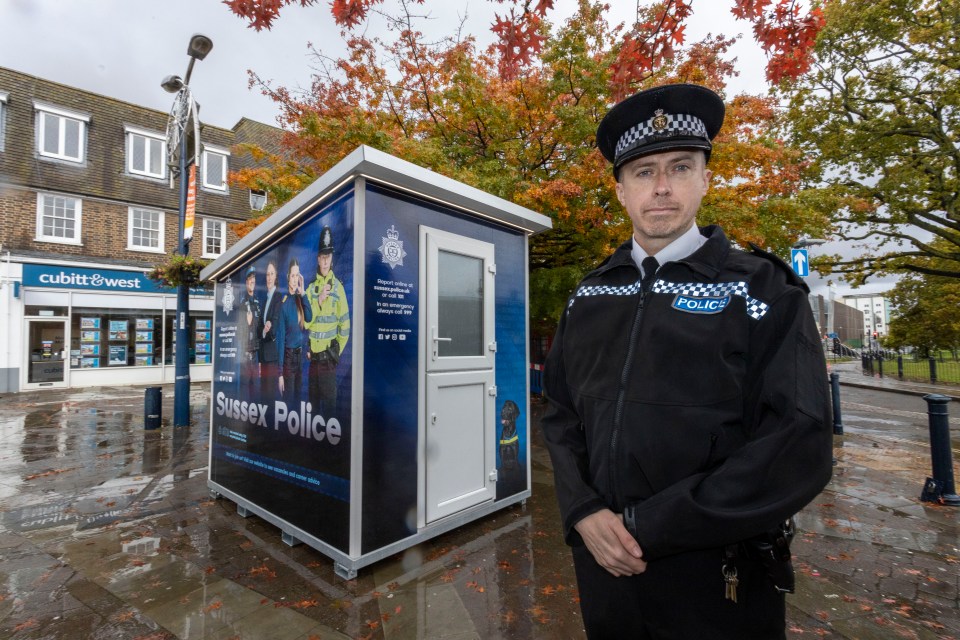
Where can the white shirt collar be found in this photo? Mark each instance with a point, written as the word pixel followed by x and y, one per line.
pixel 679 249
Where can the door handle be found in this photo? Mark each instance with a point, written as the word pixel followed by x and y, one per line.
pixel 436 342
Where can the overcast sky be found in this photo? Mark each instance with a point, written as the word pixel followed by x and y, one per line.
pixel 124 48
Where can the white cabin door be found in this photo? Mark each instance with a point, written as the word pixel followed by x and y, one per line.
pixel 457 277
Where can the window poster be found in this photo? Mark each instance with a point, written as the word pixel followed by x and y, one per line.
pixel 145 323
pixel 89 336
pixel 203 347
pixel 89 349
pixel 203 324
pixel 144 336
pixel 118 354
pixel 89 363
pixel 203 358
pixel 144 347
pixel 202 336
pixel 144 361
pixel 118 330
pixel 89 323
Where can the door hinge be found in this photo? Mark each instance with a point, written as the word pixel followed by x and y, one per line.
pixel 492 391
pixel 493 346
pixel 492 269
pixel 494 476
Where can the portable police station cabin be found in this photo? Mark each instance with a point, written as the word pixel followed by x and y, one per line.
pixel 404 413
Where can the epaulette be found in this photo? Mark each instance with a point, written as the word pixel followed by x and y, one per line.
pixel 792 276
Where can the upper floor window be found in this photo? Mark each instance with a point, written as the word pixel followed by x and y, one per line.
pixel 214 237
pixel 61 134
pixel 58 218
pixel 258 200
pixel 3 118
pixel 214 165
pixel 145 230
pixel 146 153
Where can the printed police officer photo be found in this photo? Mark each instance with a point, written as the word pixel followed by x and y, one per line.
pixel 249 326
pixel 271 382
pixel 329 328
pixel 688 416
pixel 295 315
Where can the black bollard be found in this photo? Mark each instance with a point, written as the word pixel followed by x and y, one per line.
pixel 835 389
pixel 940 488
pixel 152 408
pixel 933 369
pixel 900 367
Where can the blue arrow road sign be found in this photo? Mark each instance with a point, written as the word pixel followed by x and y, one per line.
pixel 798 258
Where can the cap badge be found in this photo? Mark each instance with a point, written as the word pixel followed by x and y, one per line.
pixel 659 120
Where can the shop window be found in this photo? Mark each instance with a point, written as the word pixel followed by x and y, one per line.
pixel 61 134
pixel 105 338
pixel 58 218
pixel 200 334
pixel 146 153
pixel 214 237
pixel 145 230
pixel 214 165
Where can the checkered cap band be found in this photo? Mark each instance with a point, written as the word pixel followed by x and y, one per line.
pixel 677 125
pixel 755 308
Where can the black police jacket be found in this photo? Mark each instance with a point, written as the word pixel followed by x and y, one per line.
pixel 700 410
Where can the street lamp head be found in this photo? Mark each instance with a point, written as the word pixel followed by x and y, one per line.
pixel 172 84
pixel 200 46
pixel 808 242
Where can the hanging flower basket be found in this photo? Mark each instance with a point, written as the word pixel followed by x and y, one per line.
pixel 178 270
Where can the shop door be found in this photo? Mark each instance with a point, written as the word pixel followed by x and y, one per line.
pixel 457 282
pixel 46 353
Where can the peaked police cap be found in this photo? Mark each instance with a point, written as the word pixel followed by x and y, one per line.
pixel 672 116
pixel 326 241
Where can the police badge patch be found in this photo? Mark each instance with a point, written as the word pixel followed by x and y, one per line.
pixel 391 249
pixel 228 298
pixel 692 304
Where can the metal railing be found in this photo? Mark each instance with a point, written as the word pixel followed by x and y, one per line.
pixel 940 368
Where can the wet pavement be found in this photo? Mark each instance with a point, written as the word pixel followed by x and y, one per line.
pixel 109 531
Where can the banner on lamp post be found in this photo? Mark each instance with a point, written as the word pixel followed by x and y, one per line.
pixel 191 204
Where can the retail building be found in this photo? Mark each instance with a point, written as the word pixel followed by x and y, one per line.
pixel 87 210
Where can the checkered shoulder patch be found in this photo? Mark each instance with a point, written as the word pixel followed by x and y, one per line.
pixel 756 309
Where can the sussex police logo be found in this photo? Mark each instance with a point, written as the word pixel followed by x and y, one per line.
pixel 228 299
pixel 391 249
pixel 692 304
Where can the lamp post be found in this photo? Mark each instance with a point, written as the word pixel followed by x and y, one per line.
pixel 183 112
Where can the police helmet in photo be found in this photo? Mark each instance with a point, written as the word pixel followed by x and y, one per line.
pixel 251 271
pixel 672 116
pixel 326 241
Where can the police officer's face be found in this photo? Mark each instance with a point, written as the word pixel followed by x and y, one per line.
pixel 251 284
pixel 661 193
pixel 271 276
pixel 324 262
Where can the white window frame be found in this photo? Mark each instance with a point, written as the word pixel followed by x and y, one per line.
pixel 44 111
pixel 205 182
pixel 3 118
pixel 222 226
pixel 256 192
pixel 78 220
pixel 150 138
pixel 131 246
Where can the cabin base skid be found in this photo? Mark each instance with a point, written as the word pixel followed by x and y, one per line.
pixel 346 566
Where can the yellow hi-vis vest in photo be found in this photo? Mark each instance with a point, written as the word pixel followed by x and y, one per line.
pixel 331 318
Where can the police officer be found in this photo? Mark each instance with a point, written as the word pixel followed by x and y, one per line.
pixel 688 411
pixel 251 324
pixel 329 328
pixel 269 345
pixel 295 315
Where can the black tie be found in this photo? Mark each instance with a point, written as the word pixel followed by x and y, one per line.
pixel 649 266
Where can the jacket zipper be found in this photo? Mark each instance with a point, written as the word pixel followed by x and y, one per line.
pixel 618 411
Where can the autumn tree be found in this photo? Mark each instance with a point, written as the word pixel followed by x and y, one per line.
pixel 880 114
pixel 528 136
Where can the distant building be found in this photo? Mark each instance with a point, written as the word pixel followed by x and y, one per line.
pixel 87 209
pixel 876 312
pixel 838 320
